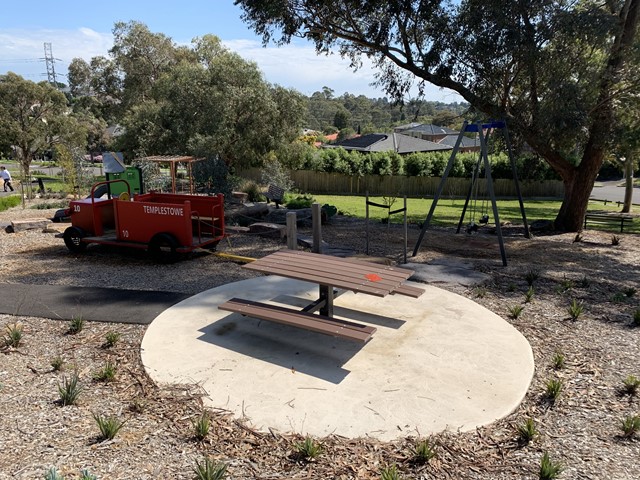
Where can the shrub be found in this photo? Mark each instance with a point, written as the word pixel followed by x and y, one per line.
pixel 630 425
pixel 57 363
pixel 631 385
pixel 106 373
pixel 9 202
pixel 575 309
pixel 210 470
pixel 253 191
pixel 515 311
pixel 14 335
pixel 390 473
pixel 85 475
pixel 298 202
pixel 531 276
pixel 52 474
pixel 109 426
pixel 423 451
pixel 527 431
pixel 69 390
pixel 111 339
pixel 308 449
pixel 558 360
pixel 553 389
pixel 201 425
pixel 528 296
pixel 549 470
pixel 76 324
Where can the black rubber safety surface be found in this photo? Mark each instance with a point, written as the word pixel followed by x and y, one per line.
pixel 94 304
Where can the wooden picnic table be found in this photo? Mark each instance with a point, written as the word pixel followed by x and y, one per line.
pixel 334 276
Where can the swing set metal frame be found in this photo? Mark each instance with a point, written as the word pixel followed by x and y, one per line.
pixel 484 131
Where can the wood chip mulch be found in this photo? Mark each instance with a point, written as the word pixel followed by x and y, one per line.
pixel 581 430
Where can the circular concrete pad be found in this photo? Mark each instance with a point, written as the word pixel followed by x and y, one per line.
pixel 437 362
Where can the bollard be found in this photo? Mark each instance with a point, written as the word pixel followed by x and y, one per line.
pixel 316 219
pixel 292 231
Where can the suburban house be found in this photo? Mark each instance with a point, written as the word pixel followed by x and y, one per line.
pixel 440 135
pixel 385 142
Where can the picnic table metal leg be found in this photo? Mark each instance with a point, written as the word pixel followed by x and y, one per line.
pixel 326 296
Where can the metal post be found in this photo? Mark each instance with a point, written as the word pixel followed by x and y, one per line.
pixel 316 220
pixel 527 233
pixel 292 231
pixel 439 189
pixel 487 167
pixel 366 249
pixel 405 230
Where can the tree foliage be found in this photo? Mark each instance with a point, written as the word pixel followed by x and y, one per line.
pixel 34 117
pixel 553 70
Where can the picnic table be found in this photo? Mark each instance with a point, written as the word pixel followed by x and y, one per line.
pixel 334 276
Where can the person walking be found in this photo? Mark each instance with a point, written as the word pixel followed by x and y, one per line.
pixel 6 176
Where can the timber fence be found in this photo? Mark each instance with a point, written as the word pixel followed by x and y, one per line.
pixel 321 183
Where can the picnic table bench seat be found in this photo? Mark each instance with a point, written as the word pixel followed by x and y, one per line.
pixel 602 218
pixel 309 321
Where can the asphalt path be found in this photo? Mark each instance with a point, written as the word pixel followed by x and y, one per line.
pixel 613 192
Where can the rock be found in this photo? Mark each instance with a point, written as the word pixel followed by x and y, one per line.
pixel 266 229
pixel 31 224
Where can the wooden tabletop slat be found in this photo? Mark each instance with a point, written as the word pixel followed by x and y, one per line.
pixel 359 276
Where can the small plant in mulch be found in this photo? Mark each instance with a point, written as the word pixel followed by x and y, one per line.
pixel 57 363
pixel 109 426
pixel 584 282
pixel 549 470
pixel 209 469
pixel 76 324
pixel 630 385
pixel 422 452
pixel 531 276
pixel 107 373
pixel 552 390
pixel 52 474
pixel 69 390
pixel 636 318
pixel 85 475
pixel 615 240
pixel 308 449
pixel 558 361
pixel 528 296
pixel 630 426
pixel 527 431
pixel 480 292
pixel 565 285
pixel 618 297
pixel 575 309
pixel 390 473
pixel 111 338
pixel 137 405
pixel 511 287
pixel 14 334
pixel 515 311
pixel 578 238
pixel 630 291
pixel 201 426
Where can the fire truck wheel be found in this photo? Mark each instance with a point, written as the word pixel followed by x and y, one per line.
pixel 162 248
pixel 73 239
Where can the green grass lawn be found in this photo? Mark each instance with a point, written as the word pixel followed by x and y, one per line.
pixel 448 211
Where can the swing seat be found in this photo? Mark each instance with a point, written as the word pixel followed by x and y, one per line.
pixel 472 227
pixel 484 220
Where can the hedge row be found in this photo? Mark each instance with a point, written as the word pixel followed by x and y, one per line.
pixel 338 160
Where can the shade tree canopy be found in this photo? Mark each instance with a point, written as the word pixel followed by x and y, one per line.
pixel 557 72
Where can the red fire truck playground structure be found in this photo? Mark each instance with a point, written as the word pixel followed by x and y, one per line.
pixel 164 224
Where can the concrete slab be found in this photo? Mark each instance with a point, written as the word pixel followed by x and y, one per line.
pixel 447 270
pixel 437 362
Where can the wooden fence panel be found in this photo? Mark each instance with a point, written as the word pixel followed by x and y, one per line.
pixel 322 183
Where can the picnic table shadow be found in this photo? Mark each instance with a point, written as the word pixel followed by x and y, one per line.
pixel 293 348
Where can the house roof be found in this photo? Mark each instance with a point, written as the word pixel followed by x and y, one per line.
pixel 465 143
pixel 430 129
pixel 384 142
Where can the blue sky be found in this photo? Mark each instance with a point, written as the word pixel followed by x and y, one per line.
pixel 83 29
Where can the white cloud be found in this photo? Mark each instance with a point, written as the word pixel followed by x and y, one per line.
pixel 293 66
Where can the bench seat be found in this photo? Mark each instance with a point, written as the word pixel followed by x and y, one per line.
pixel 308 321
pixel 608 219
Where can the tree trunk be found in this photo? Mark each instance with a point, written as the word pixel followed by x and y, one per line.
pixel 628 185
pixel 577 190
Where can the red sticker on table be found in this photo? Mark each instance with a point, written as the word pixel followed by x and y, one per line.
pixel 373 277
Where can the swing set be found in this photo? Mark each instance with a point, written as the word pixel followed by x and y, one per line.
pixel 484 131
